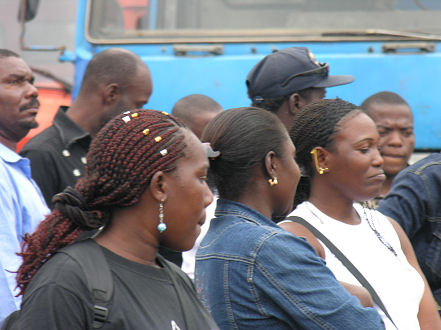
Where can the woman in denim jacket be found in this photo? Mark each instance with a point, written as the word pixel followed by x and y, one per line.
pixel 250 273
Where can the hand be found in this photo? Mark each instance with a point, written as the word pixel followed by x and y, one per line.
pixel 360 292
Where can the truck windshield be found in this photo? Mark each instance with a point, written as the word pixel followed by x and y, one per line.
pixel 167 21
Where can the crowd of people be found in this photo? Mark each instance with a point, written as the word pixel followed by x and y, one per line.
pixel 296 212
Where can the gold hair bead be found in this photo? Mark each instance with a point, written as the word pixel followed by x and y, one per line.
pixel 146 131
pixel 135 115
pixel 164 113
pixel 158 138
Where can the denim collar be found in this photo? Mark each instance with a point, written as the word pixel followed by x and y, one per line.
pixel 228 207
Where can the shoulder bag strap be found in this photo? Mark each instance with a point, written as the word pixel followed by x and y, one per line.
pixel 92 261
pixel 345 261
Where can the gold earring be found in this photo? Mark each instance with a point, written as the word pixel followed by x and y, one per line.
pixel 273 181
pixel 320 170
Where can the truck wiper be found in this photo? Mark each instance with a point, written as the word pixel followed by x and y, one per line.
pixel 381 32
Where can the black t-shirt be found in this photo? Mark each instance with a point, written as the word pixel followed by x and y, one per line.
pixel 144 298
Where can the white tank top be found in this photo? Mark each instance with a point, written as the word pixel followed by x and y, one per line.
pixel 396 282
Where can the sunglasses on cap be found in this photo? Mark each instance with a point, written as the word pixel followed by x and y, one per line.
pixel 322 70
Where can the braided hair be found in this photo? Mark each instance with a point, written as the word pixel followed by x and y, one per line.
pixel 316 125
pixel 121 161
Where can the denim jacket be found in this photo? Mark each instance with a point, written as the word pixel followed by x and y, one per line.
pixel 252 274
pixel 414 201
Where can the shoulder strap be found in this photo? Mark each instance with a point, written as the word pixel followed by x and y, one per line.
pixel 92 261
pixel 345 261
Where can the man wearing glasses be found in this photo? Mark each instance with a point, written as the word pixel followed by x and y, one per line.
pixel 285 81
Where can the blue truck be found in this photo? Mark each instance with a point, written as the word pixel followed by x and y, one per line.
pixel 209 46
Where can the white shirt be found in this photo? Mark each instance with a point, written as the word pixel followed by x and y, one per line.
pixel 189 257
pixel 396 282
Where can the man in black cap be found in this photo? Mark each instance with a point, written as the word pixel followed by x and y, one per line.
pixel 287 80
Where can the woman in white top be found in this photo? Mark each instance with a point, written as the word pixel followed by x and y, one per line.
pixel 337 151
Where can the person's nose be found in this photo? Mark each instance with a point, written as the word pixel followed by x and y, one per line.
pixel 208 196
pixel 31 91
pixel 395 139
pixel 377 159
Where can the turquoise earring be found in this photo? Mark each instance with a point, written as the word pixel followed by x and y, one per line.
pixel 162 226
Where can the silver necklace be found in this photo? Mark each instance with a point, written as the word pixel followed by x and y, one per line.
pixel 374 229
pixel 370 223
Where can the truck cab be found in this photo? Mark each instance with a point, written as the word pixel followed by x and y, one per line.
pixel 209 46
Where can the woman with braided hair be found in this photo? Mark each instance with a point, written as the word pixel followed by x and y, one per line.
pixel 145 186
pixel 337 151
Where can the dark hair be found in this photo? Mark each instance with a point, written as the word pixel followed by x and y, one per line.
pixel 121 161
pixel 7 53
pixel 383 98
pixel 112 65
pixel 243 136
pixel 316 125
pixel 273 104
pixel 193 104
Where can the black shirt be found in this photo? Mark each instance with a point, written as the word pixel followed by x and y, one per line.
pixel 144 297
pixel 58 155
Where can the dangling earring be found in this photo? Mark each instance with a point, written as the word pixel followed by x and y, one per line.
pixel 273 181
pixel 162 226
pixel 320 170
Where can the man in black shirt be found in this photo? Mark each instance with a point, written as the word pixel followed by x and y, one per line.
pixel 115 80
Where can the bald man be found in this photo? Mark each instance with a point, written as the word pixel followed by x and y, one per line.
pixel 196 111
pixel 115 80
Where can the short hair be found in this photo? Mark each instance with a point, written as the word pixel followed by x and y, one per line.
pixel 191 105
pixel 121 162
pixel 7 53
pixel 274 104
pixel 384 97
pixel 243 136
pixel 316 125
pixel 113 65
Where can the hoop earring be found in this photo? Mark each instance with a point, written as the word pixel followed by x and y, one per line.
pixel 162 226
pixel 320 170
pixel 273 181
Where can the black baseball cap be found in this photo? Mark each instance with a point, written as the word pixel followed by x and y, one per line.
pixel 290 70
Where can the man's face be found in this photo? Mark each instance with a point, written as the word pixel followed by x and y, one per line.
pixel 18 99
pixel 395 126
pixel 314 94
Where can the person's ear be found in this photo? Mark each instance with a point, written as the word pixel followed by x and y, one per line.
pixel 319 158
pixel 111 93
pixel 159 186
pixel 271 165
pixel 295 102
